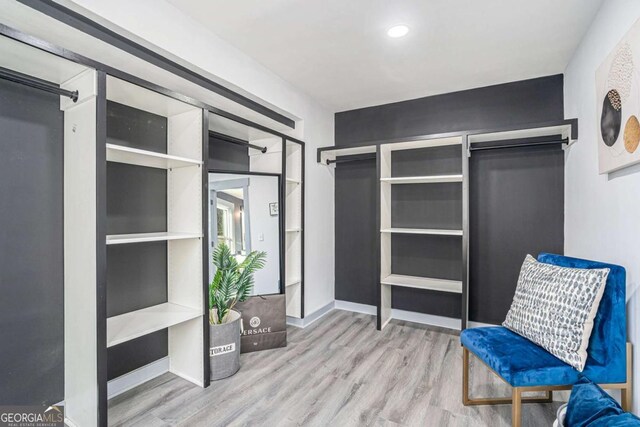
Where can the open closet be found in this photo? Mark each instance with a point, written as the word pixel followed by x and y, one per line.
pixel 434 207
pixel 238 148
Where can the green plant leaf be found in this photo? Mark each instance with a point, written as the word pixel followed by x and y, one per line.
pixel 232 282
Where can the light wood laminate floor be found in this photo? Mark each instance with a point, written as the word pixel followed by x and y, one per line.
pixel 340 371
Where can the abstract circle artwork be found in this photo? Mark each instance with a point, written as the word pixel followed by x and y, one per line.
pixel 611 118
pixel 631 134
pixel 618 105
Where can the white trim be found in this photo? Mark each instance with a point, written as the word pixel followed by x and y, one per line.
pixel 356 307
pixel 311 318
pixel 139 376
pixel 479 325
pixel 422 179
pixel 69 423
pixel 426 319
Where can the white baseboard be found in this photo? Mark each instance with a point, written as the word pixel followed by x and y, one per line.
pixel 356 307
pixel 408 316
pixel 480 324
pixel 134 378
pixel 310 318
pixel 426 319
pixel 69 423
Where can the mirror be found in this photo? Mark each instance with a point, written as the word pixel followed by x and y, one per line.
pixel 244 214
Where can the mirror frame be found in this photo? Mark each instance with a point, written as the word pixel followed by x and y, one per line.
pixel 281 218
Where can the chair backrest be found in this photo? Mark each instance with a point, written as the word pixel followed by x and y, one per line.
pixel 607 346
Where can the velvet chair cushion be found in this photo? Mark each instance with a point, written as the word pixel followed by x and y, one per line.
pixel 522 363
pixel 590 406
pixel 517 360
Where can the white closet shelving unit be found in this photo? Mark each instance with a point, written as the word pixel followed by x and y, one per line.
pixel 294 236
pixel 562 131
pixel 388 277
pixel 183 313
pixel 88 332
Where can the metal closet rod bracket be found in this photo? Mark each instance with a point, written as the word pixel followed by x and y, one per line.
pixel 43 85
pixel 237 141
pixel 527 144
pixel 329 162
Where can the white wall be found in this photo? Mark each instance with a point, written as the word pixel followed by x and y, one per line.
pixel 602 218
pixel 264 232
pixel 171 30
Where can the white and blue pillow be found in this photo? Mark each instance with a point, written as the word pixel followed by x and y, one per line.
pixel 555 306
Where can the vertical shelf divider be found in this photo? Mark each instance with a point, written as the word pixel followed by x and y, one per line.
pixel 293 199
pixel 387 179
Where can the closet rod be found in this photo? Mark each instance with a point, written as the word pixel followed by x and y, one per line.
pixel 350 160
pixel 15 77
pixel 237 141
pixel 530 144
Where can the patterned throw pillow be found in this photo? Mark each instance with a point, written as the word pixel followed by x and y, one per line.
pixel 555 306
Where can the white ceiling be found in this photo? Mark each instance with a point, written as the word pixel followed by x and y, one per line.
pixel 338 51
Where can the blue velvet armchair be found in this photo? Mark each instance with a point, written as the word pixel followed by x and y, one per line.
pixel 528 367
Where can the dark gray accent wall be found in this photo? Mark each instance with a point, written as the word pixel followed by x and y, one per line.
pixel 517 207
pixel 136 199
pixel 226 156
pixel 355 208
pixel 136 203
pixel 134 128
pixel 136 276
pixel 31 244
pixel 510 104
pixel 123 356
pixel 527 101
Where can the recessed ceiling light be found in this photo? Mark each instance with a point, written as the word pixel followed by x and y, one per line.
pixel 398 31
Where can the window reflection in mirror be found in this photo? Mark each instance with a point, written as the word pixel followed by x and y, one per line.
pixel 244 214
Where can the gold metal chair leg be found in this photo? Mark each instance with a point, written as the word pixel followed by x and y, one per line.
pixel 468 401
pixel 465 376
pixel 627 392
pixel 516 407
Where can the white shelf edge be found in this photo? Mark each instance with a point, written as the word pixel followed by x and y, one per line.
pixel 292 282
pixel 293 181
pixel 135 324
pixel 119 239
pixel 134 156
pixel 442 285
pixel 422 143
pixel 432 231
pixel 294 230
pixel 434 179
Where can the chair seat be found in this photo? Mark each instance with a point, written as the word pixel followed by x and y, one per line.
pixel 517 360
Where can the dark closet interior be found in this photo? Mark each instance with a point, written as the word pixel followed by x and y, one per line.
pixel 136 203
pixel 31 244
pixel 501 232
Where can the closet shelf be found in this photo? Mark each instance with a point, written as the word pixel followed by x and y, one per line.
pixel 117 239
pixel 135 324
pixel 442 285
pixel 134 156
pixel 294 230
pixel 293 181
pixel 433 231
pixel 434 179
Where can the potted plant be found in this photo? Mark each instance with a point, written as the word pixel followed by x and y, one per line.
pixel 232 283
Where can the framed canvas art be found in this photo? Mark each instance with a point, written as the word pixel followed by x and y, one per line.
pixel 618 103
